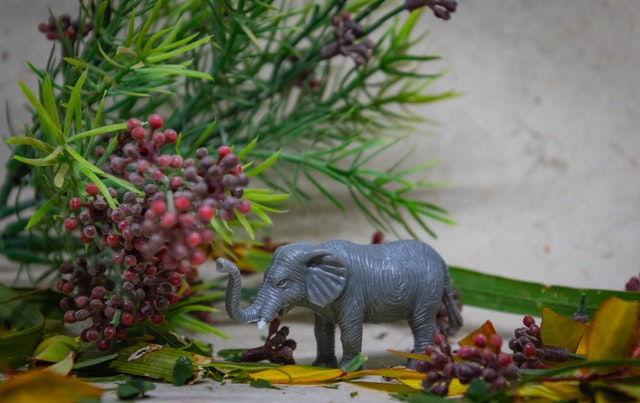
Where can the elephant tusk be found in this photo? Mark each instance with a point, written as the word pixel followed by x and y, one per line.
pixel 262 324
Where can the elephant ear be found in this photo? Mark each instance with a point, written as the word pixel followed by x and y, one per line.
pixel 326 277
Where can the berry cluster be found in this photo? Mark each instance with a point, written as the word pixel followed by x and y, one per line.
pixel 277 348
pixel 441 8
pixel 483 360
pixel 346 31
pixel 529 351
pixel 63 26
pixel 142 253
pixel 633 284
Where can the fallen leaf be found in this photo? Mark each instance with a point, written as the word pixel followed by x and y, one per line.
pixel 615 330
pixel 44 386
pixel 298 374
pixel 558 330
pixel 415 356
pixel 55 348
pixel 487 330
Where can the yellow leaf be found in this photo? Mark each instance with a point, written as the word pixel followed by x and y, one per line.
pixel 415 384
pixel 551 391
pixel 415 356
pixel 487 330
pixel 298 374
pixel 395 373
pixel 386 387
pixel 63 367
pixel 46 387
pixel 558 330
pixel 615 330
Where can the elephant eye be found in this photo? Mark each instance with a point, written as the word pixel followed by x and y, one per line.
pixel 282 283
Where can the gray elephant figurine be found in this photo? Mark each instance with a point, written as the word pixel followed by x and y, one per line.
pixel 348 285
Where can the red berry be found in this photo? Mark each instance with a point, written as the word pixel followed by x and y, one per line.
pixel 52 35
pixel 68 287
pixel 70 224
pixel 170 136
pixel 112 240
pixel 227 215
pixel 123 224
pixel 173 298
pixel 69 317
pixel 142 165
pixel 126 319
pixel 504 359
pixel 168 220
pixel 528 320
pixel 158 207
pixel 103 344
pixel 130 275
pixel 175 182
pixel 155 121
pixel 157 318
pixel 133 123
pixel 138 134
pixel 158 138
pixel 495 342
pixel 193 239
pixel 223 151
pixel 236 170
pixel 480 340
pixel 164 160
pixel 181 203
pixel 43 27
pixel 174 278
pixel 109 332
pixel 75 203
pixel 206 213
pixel 529 350
pixel 243 206
pixel 197 258
pixel 91 189
pixel 176 161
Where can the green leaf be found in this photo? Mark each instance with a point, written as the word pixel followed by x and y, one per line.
pixel 170 70
pixel 98 130
pixel 262 384
pixel 182 371
pixel 355 363
pixel 55 348
pixel 154 58
pixel 22 326
pixel 134 388
pixel 527 298
pixel 43 210
pixel 74 104
pixel 31 142
pixel 49 127
pixel 245 223
pixel 52 159
pixel 49 102
pixel 264 165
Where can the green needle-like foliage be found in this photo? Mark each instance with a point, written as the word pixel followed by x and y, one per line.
pixel 259 70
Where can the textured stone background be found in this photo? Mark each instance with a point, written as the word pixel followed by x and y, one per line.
pixel 540 153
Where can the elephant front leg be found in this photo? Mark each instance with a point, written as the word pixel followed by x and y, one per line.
pixel 351 337
pixel 325 332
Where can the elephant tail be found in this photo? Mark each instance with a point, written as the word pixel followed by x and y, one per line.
pixel 455 317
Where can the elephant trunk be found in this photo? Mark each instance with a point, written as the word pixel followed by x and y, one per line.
pixel 235 311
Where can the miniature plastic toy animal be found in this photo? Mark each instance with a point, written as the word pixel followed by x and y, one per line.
pixel 349 284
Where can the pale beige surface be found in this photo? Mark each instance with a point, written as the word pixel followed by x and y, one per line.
pixel 541 154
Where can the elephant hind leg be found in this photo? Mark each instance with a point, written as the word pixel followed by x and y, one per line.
pixel 423 327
